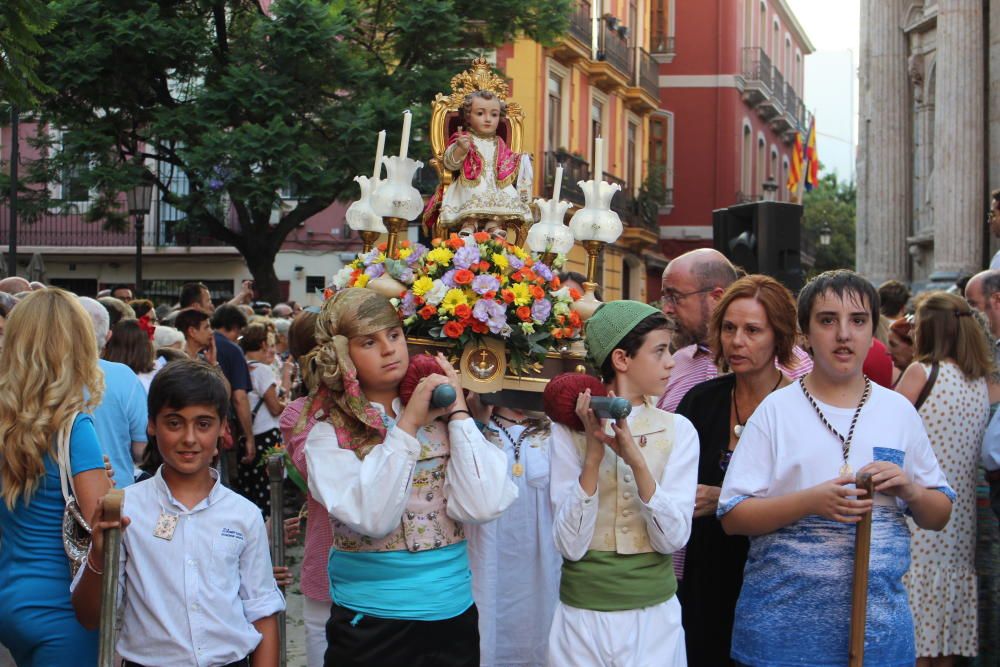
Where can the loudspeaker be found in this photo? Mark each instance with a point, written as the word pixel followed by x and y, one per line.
pixel 762 237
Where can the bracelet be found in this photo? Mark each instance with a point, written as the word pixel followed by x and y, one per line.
pixel 458 412
pixel 91 567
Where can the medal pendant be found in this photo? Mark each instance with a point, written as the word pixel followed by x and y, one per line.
pixel 518 469
pixel 642 441
pixel 738 430
pixel 165 526
pixel 845 470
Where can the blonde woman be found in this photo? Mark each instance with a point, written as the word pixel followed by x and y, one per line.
pixel 47 367
pixel 955 408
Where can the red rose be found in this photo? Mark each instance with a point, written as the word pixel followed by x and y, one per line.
pixel 537 292
pixel 453 329
pixel 556 283
pixel 481 237
pixel 463 311
pixel 463 277
pixel 524 313
pixel 455 243
pixel 574 294
pixel 508 296
pixel 479 327
pixel 484 266
pixel 428 311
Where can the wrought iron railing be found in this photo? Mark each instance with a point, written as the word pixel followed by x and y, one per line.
pixel 581 25
pixel 648 75
pixel 663 44
pixel 778 86
pixel 757 66
pixel 575 168
pixel 613 48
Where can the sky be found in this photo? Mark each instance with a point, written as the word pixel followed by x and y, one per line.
pixel 831 78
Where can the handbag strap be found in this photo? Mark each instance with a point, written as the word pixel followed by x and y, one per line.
pixel 260 401
pixel 63 460
pixel 926 391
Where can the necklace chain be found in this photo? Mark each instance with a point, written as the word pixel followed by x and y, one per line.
pixel 517 442
pixel 845 443
pixel 739 420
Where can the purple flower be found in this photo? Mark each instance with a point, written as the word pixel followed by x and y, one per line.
pixel 540 310
pixel 466 256
pixel 405 275
pixel 419 250
pixel 483 283
pixel 408 306
pixel 375 270
pixel 449 278
pixel 542 271
pixel 492 313
pixel 515 262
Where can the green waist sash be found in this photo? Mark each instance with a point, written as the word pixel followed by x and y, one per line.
pixel 609 581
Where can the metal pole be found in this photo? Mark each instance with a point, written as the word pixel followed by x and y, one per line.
pixel 15 157
pixel 139 228
pixel 112 506
pixel 276 477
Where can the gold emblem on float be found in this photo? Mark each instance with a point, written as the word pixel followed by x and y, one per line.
pixel 485 364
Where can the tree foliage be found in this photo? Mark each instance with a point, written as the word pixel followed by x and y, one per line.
pixel 831 204
pixel 243 102
pixel 21 23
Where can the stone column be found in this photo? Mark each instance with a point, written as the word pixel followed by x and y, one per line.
pixel 959 206
pixel 883 220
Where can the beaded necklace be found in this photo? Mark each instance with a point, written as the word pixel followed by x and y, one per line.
pixel 845 443
pixel 518 468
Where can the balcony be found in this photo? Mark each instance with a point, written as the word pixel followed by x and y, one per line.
pixel 577 43
pixel 70 229
pixel 780 121
pixel 663 47
pixel 575 168
pixel 757 72
pixel 613 68
pixel 644 93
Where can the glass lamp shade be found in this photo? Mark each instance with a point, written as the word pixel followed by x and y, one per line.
pixel 361 217
pixel 591 224
pixel 139 198
pixel 395 197
pixel 544 237
pixel 552 212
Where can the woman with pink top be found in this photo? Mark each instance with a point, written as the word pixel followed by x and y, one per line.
pixel 314 578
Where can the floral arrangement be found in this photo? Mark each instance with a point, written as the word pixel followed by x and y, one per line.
pixel 463 288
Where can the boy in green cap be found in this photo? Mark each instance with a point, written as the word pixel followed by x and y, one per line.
pixel 623 498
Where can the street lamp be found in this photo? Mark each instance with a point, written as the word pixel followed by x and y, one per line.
pixel 138 199
pixel 825 234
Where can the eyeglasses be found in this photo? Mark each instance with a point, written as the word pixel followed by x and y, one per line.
pixel 675 298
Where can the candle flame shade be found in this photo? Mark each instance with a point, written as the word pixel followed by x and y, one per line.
pixel 550 235
pixel 596 221
pixel 395 197
pixel 361 217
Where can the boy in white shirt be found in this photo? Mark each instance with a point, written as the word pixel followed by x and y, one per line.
pixel 790 487
pixel 195 573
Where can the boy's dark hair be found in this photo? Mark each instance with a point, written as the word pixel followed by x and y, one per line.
pixel 191 293
pixel 188 382
pixel 892 296
pixel 632 341
pixel 228 317
pixel 187 318
pixel 845 284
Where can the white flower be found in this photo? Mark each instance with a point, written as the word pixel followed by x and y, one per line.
pixel 436 293
pixel 562 294
pixel 506 331
pixel 343 277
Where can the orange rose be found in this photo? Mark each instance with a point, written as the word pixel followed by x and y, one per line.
pixel 574 294
pixel 567 333
pixel 405 243
pixel 537 292
pixel 453 329
pixel 561 319
pixel 557 333
pixel 463 311
pixel 455 243
pixel 524 313
pixel 484 266
pixel 574 319
pixel 507 295
pixel 481 237
pixel 479 327
pixel 419 300
pixel 435 242
pixel 463 277
pixel 428 311
pixel 556 283
pixel 517 276
pixel 490 295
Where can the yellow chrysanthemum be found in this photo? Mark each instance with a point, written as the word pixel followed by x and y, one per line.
pixel 519 252
pixel 500 261
pixel 362 280
pixel 440 256
pixel 454 297
pixel 422 286
pixel 405 252
pixel 522 294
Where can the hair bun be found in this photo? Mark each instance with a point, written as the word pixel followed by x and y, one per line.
pixel 420 367
pixel 559 397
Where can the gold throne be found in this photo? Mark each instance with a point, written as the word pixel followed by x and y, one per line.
pixel 445 121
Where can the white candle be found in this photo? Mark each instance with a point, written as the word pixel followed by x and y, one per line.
pixel 404 144
pixel 378 155
pixel 598 167
pixel 558 184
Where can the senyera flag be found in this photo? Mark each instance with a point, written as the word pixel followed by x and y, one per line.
pixel 795 169
pixel 812 158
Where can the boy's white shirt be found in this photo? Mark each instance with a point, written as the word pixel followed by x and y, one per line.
pixel 192 599
pixel 667 515
pixel 786 448
pixel 369 495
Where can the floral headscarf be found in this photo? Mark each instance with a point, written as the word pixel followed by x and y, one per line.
pixel 336 396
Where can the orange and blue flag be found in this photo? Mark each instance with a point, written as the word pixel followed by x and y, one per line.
pixel 812 158
pixel 795 168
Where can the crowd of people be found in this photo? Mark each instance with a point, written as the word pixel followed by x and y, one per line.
pixel 711 526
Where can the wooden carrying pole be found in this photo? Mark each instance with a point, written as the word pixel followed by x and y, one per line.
pixel 276 476
pixel 112 505
pixel 859 592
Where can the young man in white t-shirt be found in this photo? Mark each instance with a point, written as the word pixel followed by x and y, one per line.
pixel 790 488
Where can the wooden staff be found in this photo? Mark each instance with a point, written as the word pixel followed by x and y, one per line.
pixel 112 505
pixel 276 476
pixel 859 592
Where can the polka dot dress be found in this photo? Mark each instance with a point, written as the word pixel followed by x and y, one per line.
pixel 942 577
pixel 252 482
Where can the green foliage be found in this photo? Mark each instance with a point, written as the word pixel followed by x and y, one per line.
pixel 652 195
pixel 242 103
pixel 21 23
pixel 833 204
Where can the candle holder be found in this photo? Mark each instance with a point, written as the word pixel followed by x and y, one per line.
pixel 594 226
pixel 396 200
pixel 549 236
pixel 361 217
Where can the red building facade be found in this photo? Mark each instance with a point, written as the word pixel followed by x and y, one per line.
pixel 731 86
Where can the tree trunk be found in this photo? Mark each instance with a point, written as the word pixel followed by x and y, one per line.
pixel 260 260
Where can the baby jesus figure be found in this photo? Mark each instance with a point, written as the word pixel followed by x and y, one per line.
pixel 491 181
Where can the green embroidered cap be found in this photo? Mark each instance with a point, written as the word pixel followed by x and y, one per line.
pixel 612 322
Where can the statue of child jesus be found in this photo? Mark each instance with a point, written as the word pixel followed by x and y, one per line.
pixel 491 181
